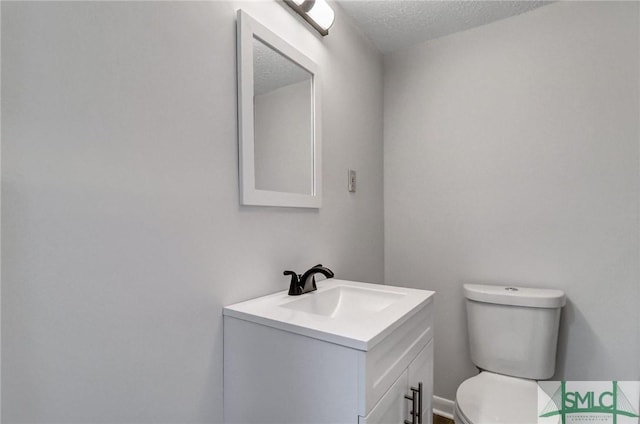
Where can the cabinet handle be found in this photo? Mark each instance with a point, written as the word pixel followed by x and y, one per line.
pixel 416 404
pixel 416 414
pixel 414 407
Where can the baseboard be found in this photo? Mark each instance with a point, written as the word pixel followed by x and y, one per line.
pixel 443 407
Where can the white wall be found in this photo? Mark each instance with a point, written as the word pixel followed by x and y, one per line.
pixel 511 156
pixel 122 233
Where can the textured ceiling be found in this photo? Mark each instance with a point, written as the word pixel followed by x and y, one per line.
pixel 272 70
pixel 394 24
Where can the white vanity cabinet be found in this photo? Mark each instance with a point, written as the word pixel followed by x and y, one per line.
pixel 281 375
pixel 391 408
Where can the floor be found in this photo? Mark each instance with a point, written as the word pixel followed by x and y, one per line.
pixel 437 419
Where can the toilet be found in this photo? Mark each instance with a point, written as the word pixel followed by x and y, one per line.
pixel 513 334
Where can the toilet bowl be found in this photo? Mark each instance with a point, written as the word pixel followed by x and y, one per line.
pixel 513 335
pixel 490 398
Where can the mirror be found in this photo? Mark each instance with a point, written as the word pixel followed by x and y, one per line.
pixel 283 122
pixel 278 110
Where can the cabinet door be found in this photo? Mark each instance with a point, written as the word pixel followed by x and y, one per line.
pixel 421 371
pixel 392 407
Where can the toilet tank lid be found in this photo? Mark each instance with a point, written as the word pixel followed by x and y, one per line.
pixel 515 296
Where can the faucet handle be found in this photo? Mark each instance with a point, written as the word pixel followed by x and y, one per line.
pixel 294 288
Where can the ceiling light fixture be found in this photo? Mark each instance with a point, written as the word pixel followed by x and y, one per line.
pixel 317 12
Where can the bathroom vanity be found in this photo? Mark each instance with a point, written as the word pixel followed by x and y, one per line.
pixel 348 353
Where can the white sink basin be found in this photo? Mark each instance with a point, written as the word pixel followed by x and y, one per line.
pixel 344 301
pixel 348 313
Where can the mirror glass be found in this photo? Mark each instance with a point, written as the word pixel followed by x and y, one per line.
pixel 283 122
pixel 279 120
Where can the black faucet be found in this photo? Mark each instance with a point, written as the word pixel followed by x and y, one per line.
pixel 306 282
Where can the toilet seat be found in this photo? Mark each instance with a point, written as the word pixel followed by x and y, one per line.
pixel 489 398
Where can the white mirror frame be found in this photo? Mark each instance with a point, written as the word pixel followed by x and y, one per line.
pixel 247 28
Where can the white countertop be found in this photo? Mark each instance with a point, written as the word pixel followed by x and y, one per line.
pixel 361 330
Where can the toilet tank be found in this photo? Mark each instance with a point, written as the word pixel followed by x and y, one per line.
pixel 513 330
